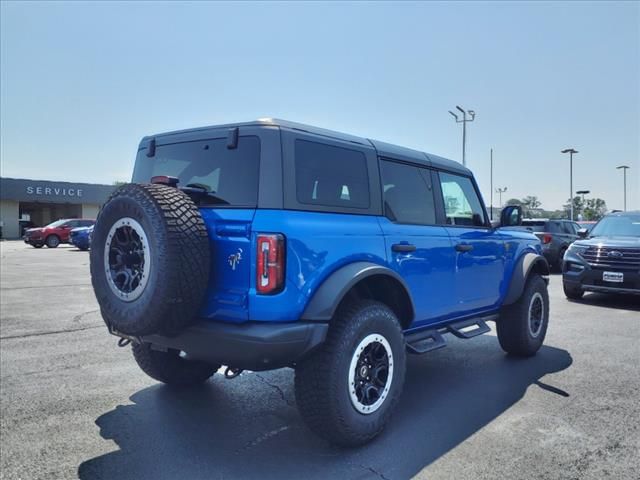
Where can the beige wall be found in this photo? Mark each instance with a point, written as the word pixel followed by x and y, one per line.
pixel 90 211
pixel 9 218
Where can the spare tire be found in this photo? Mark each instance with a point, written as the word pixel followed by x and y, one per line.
pixel 150 260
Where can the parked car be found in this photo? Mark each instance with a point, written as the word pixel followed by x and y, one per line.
pixel 555 235
pixel 81 237
pixel 55 233
pixel 607 259
pixel 274 244
pixel 587 224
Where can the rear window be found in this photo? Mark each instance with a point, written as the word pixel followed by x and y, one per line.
pixel 230 175
pixel 534 225
pixel 331 176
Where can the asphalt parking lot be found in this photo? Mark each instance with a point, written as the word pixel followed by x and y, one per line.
pixel 73 404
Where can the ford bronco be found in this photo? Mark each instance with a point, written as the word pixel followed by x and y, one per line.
pixel 273 244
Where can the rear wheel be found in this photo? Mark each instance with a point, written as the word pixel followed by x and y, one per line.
pixel 52 241
pixel 523 325
pixel 170 367
pixel 571 292
pixel 347 390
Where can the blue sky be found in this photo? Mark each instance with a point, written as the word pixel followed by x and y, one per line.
pixel 81 83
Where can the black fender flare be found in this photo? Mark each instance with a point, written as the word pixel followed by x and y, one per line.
pixel 521 272
pixel 332 291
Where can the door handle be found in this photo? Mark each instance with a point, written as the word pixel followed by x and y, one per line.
pixel 464 247
pixel 403 247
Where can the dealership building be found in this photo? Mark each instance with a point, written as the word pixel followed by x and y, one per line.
pixel 39 202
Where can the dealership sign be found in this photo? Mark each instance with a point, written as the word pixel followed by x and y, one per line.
pixel 53 191
pixel 27 190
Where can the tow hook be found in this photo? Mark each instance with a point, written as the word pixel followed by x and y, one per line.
pixel 124 339
pixel 230 372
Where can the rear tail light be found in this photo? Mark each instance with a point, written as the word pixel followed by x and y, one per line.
pixel 270 270
pixel 546 238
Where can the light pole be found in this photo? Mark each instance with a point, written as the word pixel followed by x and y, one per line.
pixel 472 116
pixel 624 169
pixel 500 191
pixel 570 151
pixel 583 193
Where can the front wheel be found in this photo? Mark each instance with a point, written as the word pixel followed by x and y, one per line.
pixel 347 390
pixel 52 241
pixel 523 325
pixel 572 293
pixel 170 367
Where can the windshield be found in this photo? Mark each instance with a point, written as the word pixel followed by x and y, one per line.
pixel 228 176
pixel 55 224
pixel 618 226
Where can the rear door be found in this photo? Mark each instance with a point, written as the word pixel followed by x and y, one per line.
pixel 417 248
pixel 479 249
pixel 230 176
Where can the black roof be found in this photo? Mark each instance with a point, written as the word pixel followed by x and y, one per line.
pixel 383 148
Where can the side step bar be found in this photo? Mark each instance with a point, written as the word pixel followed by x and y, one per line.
pixel 431 339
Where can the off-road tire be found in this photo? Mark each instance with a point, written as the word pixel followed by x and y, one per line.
pixel 52 241
pixel 513 327
pixel 572 293
pixel 170 368
pixel 178 249
pixel 322 385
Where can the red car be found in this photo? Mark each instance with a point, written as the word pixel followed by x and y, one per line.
pixel 55 233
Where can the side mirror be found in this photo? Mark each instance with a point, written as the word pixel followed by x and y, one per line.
pixel 583 233
pixel 511 216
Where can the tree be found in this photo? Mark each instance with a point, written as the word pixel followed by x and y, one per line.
pixel 531 202
pixel 594 209
pixel 119 183
pixel 514 201
pixel 578 207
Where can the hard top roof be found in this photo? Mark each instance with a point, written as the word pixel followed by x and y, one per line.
pixel 384 149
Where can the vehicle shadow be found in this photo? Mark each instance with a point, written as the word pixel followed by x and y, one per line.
pixel 250 428
pixel 623 302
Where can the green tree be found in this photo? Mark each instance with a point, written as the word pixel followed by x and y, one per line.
pixel 594 209
pixel 578 207
pixel 531 202
pixel 119 183
pixel 514 201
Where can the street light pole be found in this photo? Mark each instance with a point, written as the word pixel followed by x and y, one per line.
pixel 500 191
pixel 472 116
pixel 570 151
pixel 624 170
pixel 583 193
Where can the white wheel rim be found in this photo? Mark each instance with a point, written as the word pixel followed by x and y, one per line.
pixel 536 314
pixel 127 260
pixel 359 368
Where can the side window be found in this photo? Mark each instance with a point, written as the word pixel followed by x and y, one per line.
pixel 331 176
pixel 461 202
pixel 407 194
pixel 72 223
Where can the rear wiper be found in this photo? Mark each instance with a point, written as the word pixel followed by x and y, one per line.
pixel 197 192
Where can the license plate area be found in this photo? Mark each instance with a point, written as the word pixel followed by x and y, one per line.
pixel 616 277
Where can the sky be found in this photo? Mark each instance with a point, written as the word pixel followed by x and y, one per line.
pixel 81 83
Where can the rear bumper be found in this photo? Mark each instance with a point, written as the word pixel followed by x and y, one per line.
pixel 249 346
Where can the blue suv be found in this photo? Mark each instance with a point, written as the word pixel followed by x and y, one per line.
pixel 273 244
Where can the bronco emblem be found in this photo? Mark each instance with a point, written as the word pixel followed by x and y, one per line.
pixel 234 259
